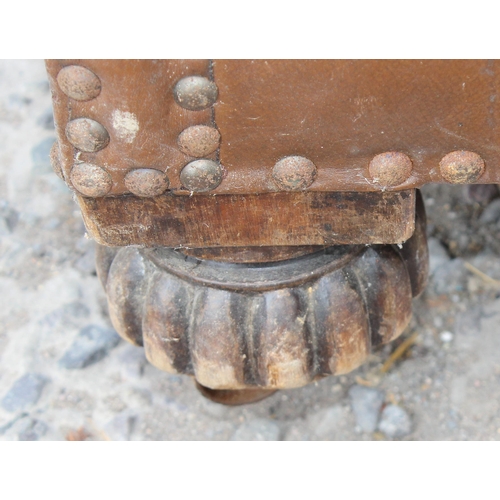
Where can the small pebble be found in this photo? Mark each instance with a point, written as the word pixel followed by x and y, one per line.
pixel 66 316
pixel 366 403
pixel 449 277
pixel 40 155
pixel 491 213
pixel 46 120
pixel 9 217
pixel 86 263
pixel 327 421
pixel 25 392
pixel 33 430
pixel 259 429
pixel 446 336
pixel 437 254
pixel 91 345
pixel 121 427
pixel 395 422
pixel 132 361
pixel 297 433
pixel 25 428
pixel 480 193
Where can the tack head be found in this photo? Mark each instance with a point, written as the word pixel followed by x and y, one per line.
pixel 198 140
pixel 79 83
pixel 195 93
pixel 390 169
pixel 87 135
pixel 294 173
pixel 201 175
pixel 461 167
pixel 90 180
pixel 146 182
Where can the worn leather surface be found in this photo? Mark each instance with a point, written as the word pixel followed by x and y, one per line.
pixel 339 114
pixel 137 108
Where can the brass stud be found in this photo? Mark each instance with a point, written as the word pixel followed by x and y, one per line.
pixel 90 180
pixel 87 135
pixel 390 169
pixel 195 93
pixel 79 83
pixel 146 182
pixel 55 160
pixel 461 167
pixel 294 173
pixel 201 175
pixel 198 140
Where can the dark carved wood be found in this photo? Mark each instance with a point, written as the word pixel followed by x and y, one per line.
pixel 274 219
pixel 262 327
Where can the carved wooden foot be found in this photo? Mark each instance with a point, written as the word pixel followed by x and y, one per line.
pixel 245 330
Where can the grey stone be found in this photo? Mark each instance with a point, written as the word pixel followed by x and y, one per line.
pixel 91 345
pixel 52 223
pixel 450 277
pixel 259 429
pixel 9 217
pixel 46 120
pixel 4 228
pixel 327 421
pixel 18 101
pixel 297 433
pixel 32 430
pixel 480 193
pixel 25 428
pixel 68 315
pixel 395 422
pixel 86 263
pixel 120 428
pixel 366 403
pixel 132 361
pixel 491 213
pixel 437 254
pixel 25 392
pixel 40 155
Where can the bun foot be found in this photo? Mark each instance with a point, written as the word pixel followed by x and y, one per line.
pixel 245 330
pixel 235 397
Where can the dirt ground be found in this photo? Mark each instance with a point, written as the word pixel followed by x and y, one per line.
pixel 439 381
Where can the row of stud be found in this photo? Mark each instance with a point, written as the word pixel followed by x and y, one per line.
pixel 192 93
pixel 197 93
pixel 292 173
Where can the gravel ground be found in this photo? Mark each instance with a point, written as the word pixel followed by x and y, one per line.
pixel 65 375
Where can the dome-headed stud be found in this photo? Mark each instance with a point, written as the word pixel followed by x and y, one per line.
pixel 201 175
pixel 294 173
pixel 55 160
pixel 79 83
pixel 390 169
pixel 198 140
pixel 90 180
pixel 461 167
pixel 87 135
pixel 195 93
pixel 146 182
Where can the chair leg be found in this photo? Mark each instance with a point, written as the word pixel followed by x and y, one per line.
pixel 245 330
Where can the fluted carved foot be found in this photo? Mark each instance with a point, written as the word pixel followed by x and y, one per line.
pixel 245 330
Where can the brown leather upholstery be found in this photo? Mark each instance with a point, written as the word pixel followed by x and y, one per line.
pixel 332 118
